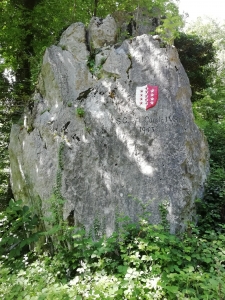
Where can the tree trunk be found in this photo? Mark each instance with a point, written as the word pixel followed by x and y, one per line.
pixel 23 73
pixel 95 8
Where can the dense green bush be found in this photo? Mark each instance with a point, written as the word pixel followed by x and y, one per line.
pixel 17 231
pixel 196 55
pixel 210 116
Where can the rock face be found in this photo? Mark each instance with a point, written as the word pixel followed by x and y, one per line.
pixel 88 143
pixel 102 32
pixel 141 21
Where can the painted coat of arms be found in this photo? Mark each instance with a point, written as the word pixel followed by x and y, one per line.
pixel 146 96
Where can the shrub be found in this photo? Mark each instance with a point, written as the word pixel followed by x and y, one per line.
pixel 17 231
pixel 141 262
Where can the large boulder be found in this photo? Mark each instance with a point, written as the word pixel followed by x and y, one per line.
pixel 88 149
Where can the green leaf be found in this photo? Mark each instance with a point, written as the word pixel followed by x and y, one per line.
pixel 122 269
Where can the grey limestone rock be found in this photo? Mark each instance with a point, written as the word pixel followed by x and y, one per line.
pixel 139 22
pixel 73 39
pixel 102 32
pixel 146 21
pixel 114 152
pixel 101 57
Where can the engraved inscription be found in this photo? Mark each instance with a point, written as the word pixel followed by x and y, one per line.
pixel 147 119
pixel 147 129
pixel 148 124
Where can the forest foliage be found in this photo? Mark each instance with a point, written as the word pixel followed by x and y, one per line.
pixel 139 261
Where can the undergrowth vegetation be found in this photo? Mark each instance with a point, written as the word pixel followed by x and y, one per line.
pixel 139 261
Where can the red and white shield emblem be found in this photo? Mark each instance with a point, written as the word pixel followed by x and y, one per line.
pixel 146 96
